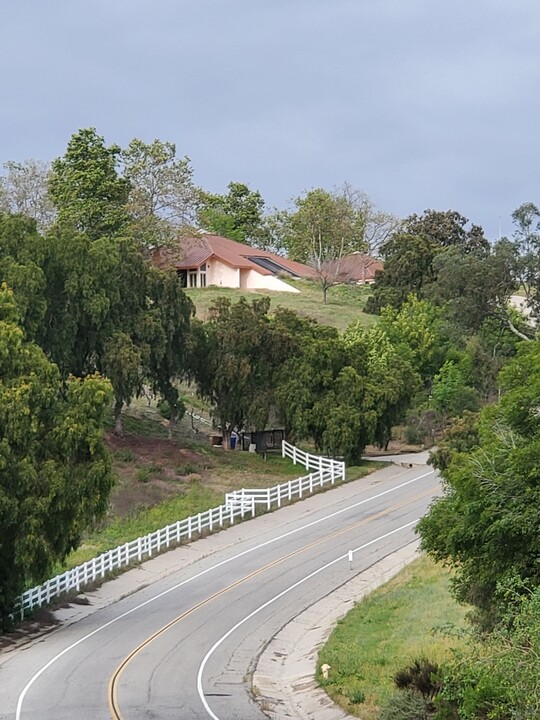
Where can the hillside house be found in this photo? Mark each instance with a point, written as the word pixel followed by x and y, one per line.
pixel 357 268
pixel 213 260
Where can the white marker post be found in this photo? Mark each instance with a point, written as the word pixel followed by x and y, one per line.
pixel 350 559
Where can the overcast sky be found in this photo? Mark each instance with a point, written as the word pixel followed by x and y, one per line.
pixel 421 103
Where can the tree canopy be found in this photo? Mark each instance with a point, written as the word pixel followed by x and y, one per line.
pixel 238 215
pixel 409 254
pixel 55 473
pixel 486 523
pixel 86 189
pixel 162 200
pixel 324 228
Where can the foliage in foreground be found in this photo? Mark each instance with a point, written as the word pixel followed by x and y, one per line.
pixel 486 523
pixel 497 677
pixel 55 472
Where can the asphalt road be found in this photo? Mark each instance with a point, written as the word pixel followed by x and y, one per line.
pixel 184 646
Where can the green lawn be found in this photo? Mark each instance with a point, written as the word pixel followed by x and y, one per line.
pixel 345 302
pixel 384 633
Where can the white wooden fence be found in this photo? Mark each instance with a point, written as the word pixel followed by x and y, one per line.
pixel 238 505
pixel 327 471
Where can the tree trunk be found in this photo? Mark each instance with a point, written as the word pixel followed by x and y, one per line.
pixel 172 423
pixel 118 429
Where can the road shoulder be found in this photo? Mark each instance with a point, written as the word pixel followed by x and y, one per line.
pixel 284 677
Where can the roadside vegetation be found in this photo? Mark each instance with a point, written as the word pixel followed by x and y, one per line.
pixel 485 525
pixel 413 616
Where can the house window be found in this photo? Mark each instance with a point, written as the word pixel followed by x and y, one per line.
pixel 202 275
pixel 192 278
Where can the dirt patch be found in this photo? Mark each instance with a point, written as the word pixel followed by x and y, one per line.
pixel 149 449
pixel 150 470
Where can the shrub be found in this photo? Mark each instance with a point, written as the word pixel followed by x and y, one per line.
pixel 124 455
pixel 164 409
pixel 145 473
pixel 406 705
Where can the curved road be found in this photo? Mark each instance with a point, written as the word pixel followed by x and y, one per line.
pixel 184 646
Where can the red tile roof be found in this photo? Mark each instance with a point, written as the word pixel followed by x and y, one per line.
pixel 194 251
pixel 357 267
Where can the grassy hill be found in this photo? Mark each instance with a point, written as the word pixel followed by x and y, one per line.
pixel 345 302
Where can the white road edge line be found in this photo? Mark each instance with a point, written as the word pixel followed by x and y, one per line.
pixel 269 602
pixel 195 577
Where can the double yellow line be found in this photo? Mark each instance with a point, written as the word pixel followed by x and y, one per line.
pixel 115 678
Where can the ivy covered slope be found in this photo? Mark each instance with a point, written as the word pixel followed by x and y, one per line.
pixel 55 473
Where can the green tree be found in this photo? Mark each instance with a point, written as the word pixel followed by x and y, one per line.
pixel 393 381
pixel 22 251
pixel 497 675
pixel 238 215
pixel 324 228
pixel 55 472
pixel 472 286
pixel 123 365
pixel 234 357
pixel 418 331
pixel 86 189
pixel 410 253
pixel 162 199
pixel 325 392
pixel 83 299
pixel 165 330
pixel 527 267
pixel 451 395
pixel 486 522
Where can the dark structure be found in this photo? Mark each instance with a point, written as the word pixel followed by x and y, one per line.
pixel 264 440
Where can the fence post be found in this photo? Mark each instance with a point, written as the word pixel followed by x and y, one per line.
pixel 294 454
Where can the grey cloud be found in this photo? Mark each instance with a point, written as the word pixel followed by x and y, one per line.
pixel 422 103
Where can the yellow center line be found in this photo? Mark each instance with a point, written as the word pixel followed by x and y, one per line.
pixel 114 681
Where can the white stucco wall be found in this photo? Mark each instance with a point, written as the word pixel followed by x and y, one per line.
pixel 252 280
pixel 220 274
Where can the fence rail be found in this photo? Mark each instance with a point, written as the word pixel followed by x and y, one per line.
pixel 238 505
